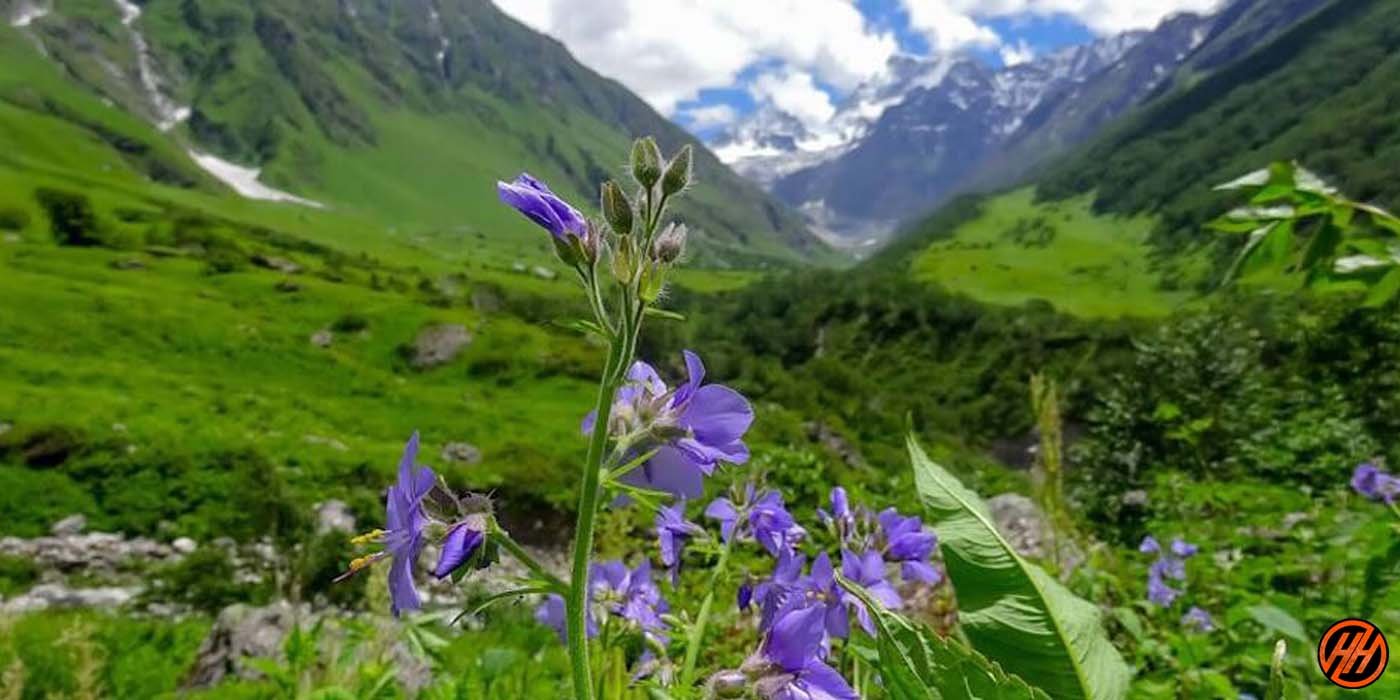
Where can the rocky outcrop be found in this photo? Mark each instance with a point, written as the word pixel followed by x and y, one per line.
pixel 461 452
pixel 1028 530
pixel 334 516
pixel 241 632
pixel 438 345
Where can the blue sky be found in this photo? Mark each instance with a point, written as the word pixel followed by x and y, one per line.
pixel 706 63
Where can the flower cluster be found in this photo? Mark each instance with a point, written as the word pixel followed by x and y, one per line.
pixel 1170 564
pixel 615 592
pixel 688 430
pixel 409 525
pixel 1369 481
pixel 802 608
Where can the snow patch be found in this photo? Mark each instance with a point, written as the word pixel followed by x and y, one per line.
pixel 245 182
pixel 168 113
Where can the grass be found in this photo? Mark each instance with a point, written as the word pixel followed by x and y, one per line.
pixel 1017 251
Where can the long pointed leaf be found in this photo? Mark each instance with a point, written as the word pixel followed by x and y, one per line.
pixel 917 664
pixel 1012 611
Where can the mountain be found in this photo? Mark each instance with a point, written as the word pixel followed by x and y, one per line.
pixel 975 128
pixel 1117 225
pixel 770 143
pixel 403 113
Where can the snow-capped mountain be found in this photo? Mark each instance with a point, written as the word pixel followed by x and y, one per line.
pixel 935 127
pixel 770 143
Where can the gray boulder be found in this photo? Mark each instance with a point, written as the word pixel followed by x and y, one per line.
pixel 241 632
pixel 439 344
pixel 323 338
pixel 71 525
pixel 461 452
pixel 334 516
pixel 1028 531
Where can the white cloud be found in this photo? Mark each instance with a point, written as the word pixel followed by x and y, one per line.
pixel 710 116
pixel 953 24
pixel 668 51
pixel 1018 53
pixel 794 93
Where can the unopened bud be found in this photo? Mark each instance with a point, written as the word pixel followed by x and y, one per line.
pixel 726 684
pixel 669 244
pixel 616 209
pixel 678 172
pixel 646 161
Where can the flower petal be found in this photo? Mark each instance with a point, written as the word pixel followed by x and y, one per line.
pixel 717 415
pixel 458 546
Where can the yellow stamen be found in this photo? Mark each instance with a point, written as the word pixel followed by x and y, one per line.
pixel 368 537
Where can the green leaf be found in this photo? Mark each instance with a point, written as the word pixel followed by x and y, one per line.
pixel 1012 611
pixel 917 664
pixel 663 314
pixel 1276 619
pixel 1385 290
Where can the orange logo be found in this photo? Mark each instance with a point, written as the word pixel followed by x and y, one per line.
pixel 1353 653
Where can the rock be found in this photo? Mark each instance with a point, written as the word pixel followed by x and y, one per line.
pixel 47 596
pixel 822 434
pixel 1134 499
pixel 241 632
pixel 98 554
pixel 461 452
pixel 71 525
pixel 332 443
pixel 334 516
pixel 323 338
pixel 128 264
pixel 287 286
pixel 543 273
pixel 486 301
pixel 1028 531
pixel 6 427
pixel 183 545
pixel 274 263
pixel 440 344
pixel 518 266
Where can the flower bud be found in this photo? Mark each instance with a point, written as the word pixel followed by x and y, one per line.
pixel 616 209
pixel 669 244
pixel 678 172
pixel 726 684
pixel 646 161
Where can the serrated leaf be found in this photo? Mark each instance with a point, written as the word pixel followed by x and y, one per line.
pixel 917 664
pixel 1012 611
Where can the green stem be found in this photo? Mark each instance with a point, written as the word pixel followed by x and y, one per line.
pixel 702 620
pixel 577 607
pixel 524 557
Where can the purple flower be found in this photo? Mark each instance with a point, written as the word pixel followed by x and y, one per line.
pixel 1371 482
pixel 1198 620
pixel 697 426
pixel 1159 592
pixel 774 593
pixel 405 520
pixel 840 516
pixel 552 613
pixel 794 647
pixel 824 592
pixel 629 594
pixel 461 542
pixel 745 596
pixel 673 531
pixel 1149 545
pixel 533 199
pixel 907 542
pixel 773 526
pixel 868 570
pixel 1182 549
pixel 723 510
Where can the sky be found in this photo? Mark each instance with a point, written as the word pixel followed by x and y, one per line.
pixel 706 63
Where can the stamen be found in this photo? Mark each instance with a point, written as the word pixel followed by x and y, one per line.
pixel 368 537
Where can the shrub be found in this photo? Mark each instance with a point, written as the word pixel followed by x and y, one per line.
pixel 71 217
pixel 350 323
pixel 14 219
pixel 32 501
pixel 207 581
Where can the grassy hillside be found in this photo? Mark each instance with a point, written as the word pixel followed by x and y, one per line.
pixel 347 104
pixel 1015 251
pixel 1323 93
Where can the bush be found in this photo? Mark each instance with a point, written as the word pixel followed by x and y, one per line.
pixel 71 217
pixel 16 575
pixel 14 219
pixel 32 501
pixel 207 580
pixel 350 323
